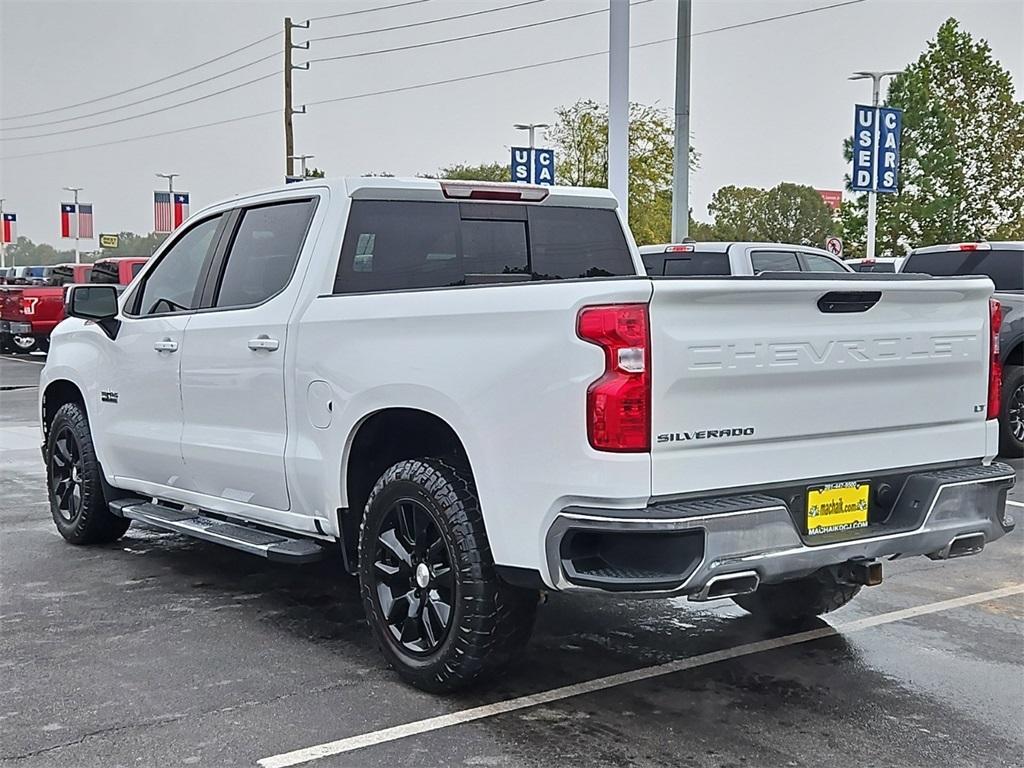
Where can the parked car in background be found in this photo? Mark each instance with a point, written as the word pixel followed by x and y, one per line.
pixel 883 264
pixel 43 305
pixel 5 274
pixel 1003 262
pixel 15 328
pixel 470 392
pixel 714 259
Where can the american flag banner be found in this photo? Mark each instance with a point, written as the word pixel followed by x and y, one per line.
pixel 85 220
pixel 180 208
pixel 9 234
pixel 68 223
pixel 162 221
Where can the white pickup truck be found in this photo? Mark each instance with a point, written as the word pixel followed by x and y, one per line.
pixel 471 393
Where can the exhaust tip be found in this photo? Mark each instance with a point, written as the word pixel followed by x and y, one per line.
pixel 728 585
pixel 961 546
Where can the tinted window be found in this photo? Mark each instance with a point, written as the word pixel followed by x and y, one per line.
pixel 406 245
pixel 263 253
pixel 104 272
pixel 1005 267
pixel 818 263
pixel 774 261
pixel 687 264
pixel 878 266
pixel 567 243
pixel 136 268
pixel 171 285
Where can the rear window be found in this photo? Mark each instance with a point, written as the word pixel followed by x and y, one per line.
pixel 393 246
pixel 879 266
pixel 694 264
pixel 1005 267
pixel 104 272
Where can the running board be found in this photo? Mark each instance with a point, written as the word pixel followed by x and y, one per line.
pixel 278 547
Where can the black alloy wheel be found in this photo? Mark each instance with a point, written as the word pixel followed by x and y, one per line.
pixel 414 580
pixel 1015 413
pixel 66 475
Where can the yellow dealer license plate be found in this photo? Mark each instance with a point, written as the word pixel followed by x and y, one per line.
pixel 837 507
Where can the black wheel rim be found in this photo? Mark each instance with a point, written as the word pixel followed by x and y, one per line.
pixel 1015 413
pixel 66 475
pixel 413 578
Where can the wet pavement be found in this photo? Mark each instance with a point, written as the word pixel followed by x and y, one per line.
pixel 164 651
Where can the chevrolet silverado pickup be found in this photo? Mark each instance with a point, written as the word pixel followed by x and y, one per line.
pixel 471 393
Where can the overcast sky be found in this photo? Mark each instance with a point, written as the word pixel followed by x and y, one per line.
pixel 770 102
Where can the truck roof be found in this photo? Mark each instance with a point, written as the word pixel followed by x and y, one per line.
pixel 395 188
pixel 724 246
pixel 1002 245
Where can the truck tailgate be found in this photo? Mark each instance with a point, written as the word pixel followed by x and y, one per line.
pixel 754 383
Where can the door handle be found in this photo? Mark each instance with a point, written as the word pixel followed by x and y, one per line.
pixel 166 345
pixel 263 342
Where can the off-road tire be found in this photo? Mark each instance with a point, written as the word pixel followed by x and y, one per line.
pixel 796 601
pixel 490 621
pixel 91 521
pixel 1010 445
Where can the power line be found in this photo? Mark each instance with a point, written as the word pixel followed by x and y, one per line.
pixel 139 101
pixel 469 37
pixel 145 114
pixel 144 85
pixel 367 10
pixel 427 22
pixel 462 78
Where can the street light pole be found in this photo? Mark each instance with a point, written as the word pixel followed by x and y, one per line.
pixel 681 157
pixel 876 87
pixel 75 191
pixel 170 183
pixel 618 103
pixel 3 237
pixel 531 127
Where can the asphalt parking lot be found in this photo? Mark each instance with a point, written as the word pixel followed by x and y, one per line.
pixel 163 651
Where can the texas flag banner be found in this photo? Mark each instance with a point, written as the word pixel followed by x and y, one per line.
pixel 180 208
pixel 162 221
pixel 85 220
pixel 68 220
pixel 8 235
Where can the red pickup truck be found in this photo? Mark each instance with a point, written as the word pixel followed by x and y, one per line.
pixel 28 315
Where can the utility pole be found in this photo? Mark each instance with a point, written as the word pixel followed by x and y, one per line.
pixel 75 191
pixel 531 127
pixel 3 239
pixel 876 83
pixel 681 157
pixel 618 102
pixel 289 136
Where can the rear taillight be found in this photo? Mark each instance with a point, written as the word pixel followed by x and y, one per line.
pixel 995 368
pixel 619 403
pixel 28 304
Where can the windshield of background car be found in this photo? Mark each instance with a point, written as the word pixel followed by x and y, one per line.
pixel 1004 266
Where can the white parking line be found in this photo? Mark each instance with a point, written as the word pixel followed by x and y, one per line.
pixel 1015 503
pixel 23 360
pixel 394 733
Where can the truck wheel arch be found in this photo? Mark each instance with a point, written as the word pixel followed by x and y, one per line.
pixel 384 438
pixel 57 393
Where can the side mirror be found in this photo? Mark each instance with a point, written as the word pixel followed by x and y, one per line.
pixel 94 302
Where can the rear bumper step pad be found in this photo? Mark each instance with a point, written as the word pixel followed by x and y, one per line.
pixel 278 547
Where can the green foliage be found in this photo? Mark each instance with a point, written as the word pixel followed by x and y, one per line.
pixel 580 139
pixel 24 253
pixel 481 172
pixel 314 173
pixel 962 168
pixel 786 213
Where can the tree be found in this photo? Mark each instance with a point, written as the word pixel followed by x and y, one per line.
pixel 962 150
pixel 314 173
pixel 580 139
pixel 786 213
pixel 481 172
pixel 23 252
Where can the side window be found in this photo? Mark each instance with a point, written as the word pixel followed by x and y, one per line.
pixel 263 253
pixel 774 261
pixel 818 263
pixel 136 268
pixel 171 285
pixel 391 246
pixel 568 243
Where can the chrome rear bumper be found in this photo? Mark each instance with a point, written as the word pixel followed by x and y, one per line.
pixel 941 513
